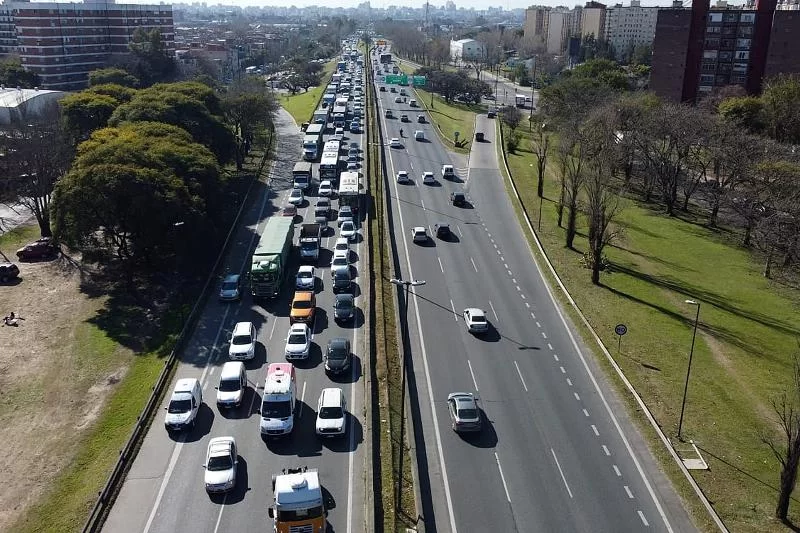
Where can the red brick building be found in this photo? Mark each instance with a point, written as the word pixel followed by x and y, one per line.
pixel 63 42
pixel 701 48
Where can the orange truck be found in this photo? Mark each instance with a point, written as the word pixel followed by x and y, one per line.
pixel 298 503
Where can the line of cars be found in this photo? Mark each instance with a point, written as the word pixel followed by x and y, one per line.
pixel 465 415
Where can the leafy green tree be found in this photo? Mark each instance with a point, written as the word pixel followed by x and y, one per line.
pixel 181 104
pixel 744 111
pixel 12 74
pixel 248 108
pixel 117 92
pixel 781 100
pixel 114 75
pixel 130 185
pixel 151 62
pixel 84 112
pixel 642 54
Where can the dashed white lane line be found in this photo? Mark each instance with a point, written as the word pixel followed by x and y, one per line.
pixel 272 331
pixel 458 228
pixel 422 203
pixel 628 491
pixel 576 396
pixel 644 520
pixel 616 470
pixel 520 376
pixel 563 370
pixel 549 346
pixel 502 477
pixel 219 516
pixel 606 450
pixel 509 272
pixel 533 315
pixel 473 264
pixel 514 281
pixel 441 267
pixel 494 312
pixel 453 307
pixel 518 289
pixel 555 356
pixel 522 296
pixel 569 382
pixel 495 246
pixel 585 413
pixel 596 433
pixel 506 266
pixel 544 335
pixel 302 400
pixel 564 479
pixel 529 306
pixel 471 373
pixel 538 325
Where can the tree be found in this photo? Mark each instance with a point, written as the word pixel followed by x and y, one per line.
pixel 128 187
pixel 573 153
pixel 84 112
pixel 541 148
pixel 781 101
pixel 642 54
pixel 787 450
pixel 113 75
pixel 151 61
pixel 13 74
pixel 38 154
pixel 511 116
pixel 248 107
pixel 744 111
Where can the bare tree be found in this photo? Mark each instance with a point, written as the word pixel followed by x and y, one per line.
pixel 511 116
pixel 787 450
pixel 38 153
pixel 573 153
pixel 541 148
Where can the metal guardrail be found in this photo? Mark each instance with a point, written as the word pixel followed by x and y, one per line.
pixel 107 495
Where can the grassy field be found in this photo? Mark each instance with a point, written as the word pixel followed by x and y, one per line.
pixel 743 354
pixel 302 105
pixel 449 117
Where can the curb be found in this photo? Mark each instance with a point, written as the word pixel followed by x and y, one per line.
pixel 664 439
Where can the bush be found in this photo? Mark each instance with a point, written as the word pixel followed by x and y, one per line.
pixel 512 142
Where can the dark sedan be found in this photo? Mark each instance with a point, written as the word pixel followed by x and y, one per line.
pixel 43 248
pixel 337 355
pixel 344 307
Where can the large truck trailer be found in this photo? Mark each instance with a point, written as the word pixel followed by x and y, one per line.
pixel 270 262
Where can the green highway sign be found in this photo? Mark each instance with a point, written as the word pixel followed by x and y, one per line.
pixel 399 79
pixel 419 81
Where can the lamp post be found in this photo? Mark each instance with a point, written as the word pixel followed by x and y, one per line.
pixel 689 368
pixel 405 341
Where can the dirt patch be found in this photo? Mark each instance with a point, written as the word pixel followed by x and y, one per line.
pixel 56 370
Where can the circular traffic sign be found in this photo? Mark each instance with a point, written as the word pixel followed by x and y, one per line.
pixel 620 329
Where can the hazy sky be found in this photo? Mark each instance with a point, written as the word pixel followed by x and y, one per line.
pixel 477 4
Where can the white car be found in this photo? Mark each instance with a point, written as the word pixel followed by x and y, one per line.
pixel 428 178
pixel 340 261
pixel 395 143
pixel 397 100
pixel 342 245
pixel 296 197
pixel 221 464
pixel 331 413
pixel 402 176
pixel 305 277
pixel 325 188
pixel 339 132
pixel 475 319
pixel 243 341
pixel 348 230
pixel 352 165
pixel 298 341
pixel 419 234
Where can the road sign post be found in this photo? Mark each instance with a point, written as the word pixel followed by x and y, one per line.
pixel 620 330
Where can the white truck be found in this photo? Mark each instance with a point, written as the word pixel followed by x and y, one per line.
pixel 310 235
pixel 302 175
pixel 279 401
pixel 298 502
pixel 520 100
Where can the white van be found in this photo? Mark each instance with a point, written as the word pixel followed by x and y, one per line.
pixel 448 171
pixel 243 341
pixel 419 135
pixel 331 413
pixel 187 396
pixel 278 401
pixel 232 382
pixel 412 103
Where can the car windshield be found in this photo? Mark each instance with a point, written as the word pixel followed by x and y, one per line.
pixel 478 318
pixel 220 462
pixel 347 226
pixel 240 340
pixel 331 413
pixel 341 246
pixel 280 409
pixel 296 194
pixel 297 338
pixel 338 353
pixel 229 286
pixel 180 406
pixel 299 514
pixel 302 304
pixel 304 275
pixel 467 414
pixel 229 385
pixel 339 261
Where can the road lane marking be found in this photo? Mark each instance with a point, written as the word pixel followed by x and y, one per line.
pixel 473 264
pixel 502 477
pixel 644 520
pixel 529 306
pixel 616 470
pixel 520 376
pixel 555 356
pixel 221 508
pixel 474 382
pixel 576 396
pixel 272 331
pixel 549 346
pixel 459 230
pixel 533 316
pixel 493 311
pixel 563 371
pixel 594 429
pixel 453 307
pixel 522 296
pixel 441 267
pixel 422 203
pixel 586 413
pixel 544 335
pixel 606 450
pixel 563 478
pixel 538 325
pixel 302 400
pixel 514 281
pixel 569 382
pixel 628 491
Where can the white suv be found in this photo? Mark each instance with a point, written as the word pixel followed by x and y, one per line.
pixel 331 413
pixel 243 341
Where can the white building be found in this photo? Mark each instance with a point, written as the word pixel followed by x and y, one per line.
pixel 467 50
pixel 25 106
pixel 560 27
pixel 630 26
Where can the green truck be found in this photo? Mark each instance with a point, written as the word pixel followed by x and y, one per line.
pixel 269 265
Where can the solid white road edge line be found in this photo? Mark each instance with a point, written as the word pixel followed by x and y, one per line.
pixel 520 376
pixel 502 477
pixel 564 479
pixel 474 381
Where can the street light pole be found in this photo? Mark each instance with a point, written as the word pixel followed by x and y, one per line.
pixel 689 368
pixel 405 341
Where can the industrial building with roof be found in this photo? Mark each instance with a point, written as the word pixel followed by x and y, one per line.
pixel 25 106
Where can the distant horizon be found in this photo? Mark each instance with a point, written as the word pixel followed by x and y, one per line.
pixel 478 5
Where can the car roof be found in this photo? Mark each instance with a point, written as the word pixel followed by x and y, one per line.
pixel 345 208
pixel 340 240
pixel 345 297
pixel 474 311
pixel 231 278
pixel 220 445
pixel 303 295
pixel 305 268
pixel 298 327
pixel 340 253
pixel 331 397
pixel 419 228
pixel 338 342
pixel 242 327
pixel 231 369
pixel 461 397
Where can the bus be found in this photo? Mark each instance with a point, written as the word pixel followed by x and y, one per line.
pixel 350 190
pixel 329 164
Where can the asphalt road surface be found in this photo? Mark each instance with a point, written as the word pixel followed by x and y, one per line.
pixel 164 491
pixel 557 452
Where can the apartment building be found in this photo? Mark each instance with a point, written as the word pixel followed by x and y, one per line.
pixel 537 20
pixel 627 27
pixel 63 42
pixel 593 20
pixel 467 50
pixel 702 48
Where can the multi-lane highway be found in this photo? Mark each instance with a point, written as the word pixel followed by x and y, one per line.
pixel 557 452
pixel 164 489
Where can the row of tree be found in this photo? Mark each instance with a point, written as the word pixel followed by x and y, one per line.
pixel 454 85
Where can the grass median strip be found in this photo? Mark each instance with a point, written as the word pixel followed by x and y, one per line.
pixel 302 105
pixel 742 358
